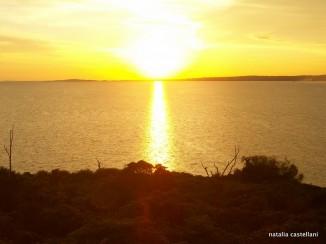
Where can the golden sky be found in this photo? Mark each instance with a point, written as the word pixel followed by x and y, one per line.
pixel 129 39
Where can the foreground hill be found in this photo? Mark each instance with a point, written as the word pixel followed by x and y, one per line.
pixel 148 204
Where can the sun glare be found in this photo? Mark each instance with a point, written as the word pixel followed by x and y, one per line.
pixel 162 51
pixel 164 42
pixel 158 55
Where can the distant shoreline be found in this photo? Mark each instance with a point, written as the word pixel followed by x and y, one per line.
pixel 263 78
pixel 222 78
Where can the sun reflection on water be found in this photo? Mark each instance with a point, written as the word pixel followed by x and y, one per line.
pixel 159 145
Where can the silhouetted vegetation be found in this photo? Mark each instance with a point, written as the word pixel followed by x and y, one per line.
pixel 10 150
pixel 263 168
pixel 144 203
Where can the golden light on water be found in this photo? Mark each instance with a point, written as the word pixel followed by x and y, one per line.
pixel 159 146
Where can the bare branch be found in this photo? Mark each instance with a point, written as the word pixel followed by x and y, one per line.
pixel 236 154
pixel 205 168
pixel 216 168
pixel 10 150
pixel 99 164
pixel 226 167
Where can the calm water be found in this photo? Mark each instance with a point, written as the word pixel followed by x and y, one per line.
pixel 70 125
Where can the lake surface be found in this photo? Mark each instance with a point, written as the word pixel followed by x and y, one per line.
pixel 69 125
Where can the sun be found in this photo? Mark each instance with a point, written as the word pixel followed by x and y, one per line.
pixel 163 40
pixel 161 51
pixel 159 54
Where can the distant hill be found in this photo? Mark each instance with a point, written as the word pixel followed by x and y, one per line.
pixel 263 78
pixel 233 78
pixel 225 78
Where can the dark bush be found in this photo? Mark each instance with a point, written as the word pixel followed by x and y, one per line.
pixel 263 168
pixel 141 167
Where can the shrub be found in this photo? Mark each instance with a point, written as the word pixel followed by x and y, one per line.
pixel 141 167
pixel 263 168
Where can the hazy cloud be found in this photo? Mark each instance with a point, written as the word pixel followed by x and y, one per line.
pixel 83 27
pixel 10 44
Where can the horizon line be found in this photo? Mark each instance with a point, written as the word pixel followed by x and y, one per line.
pixel 200 78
